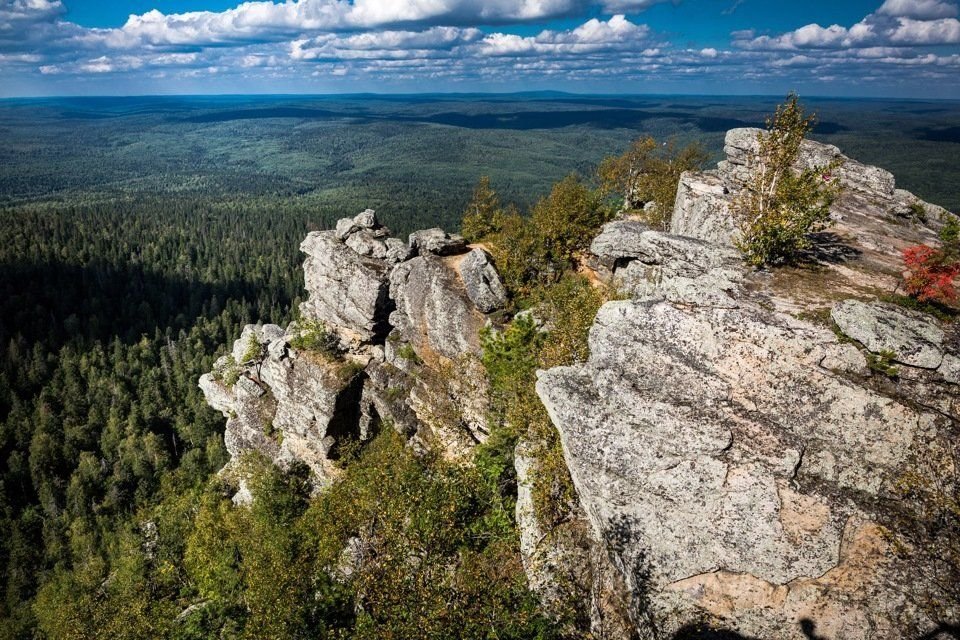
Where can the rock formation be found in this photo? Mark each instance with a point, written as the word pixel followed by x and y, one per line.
pixel 405 339
pixel 727 437
pixel 735 437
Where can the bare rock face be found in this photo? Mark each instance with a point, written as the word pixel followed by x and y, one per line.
pixel 483 284
pixel 433 310
pixel 732 450
pixel 348 291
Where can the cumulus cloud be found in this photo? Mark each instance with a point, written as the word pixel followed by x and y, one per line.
pixel 919 9
pixel 457 42
pixel 895 23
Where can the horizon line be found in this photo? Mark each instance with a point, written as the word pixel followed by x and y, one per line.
pixel 534 93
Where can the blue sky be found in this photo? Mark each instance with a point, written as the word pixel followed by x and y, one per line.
pixel 894 48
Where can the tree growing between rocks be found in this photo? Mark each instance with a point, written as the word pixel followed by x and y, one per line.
pixel 782 204
pixel 646 176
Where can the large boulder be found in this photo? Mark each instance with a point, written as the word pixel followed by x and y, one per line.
pixel 436 241
pixel 484 286
pixel 349 292
pixel 908 337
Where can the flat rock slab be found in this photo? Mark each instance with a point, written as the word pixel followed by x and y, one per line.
pixel 915 339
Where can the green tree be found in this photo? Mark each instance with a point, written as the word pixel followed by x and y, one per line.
pixel 648 174
pixel 481 216
pixel 783 203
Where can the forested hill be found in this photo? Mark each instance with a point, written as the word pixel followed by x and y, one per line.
pixel 110 313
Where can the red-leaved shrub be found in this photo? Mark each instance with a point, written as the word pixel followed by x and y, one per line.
pixel 930 274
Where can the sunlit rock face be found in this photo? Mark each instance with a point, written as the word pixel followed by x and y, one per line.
pixel 404 320
pixel 731 437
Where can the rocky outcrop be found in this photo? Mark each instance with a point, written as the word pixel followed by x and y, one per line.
pixel 430 296
pixel 735 434
pixel 284 404
pixel 869 208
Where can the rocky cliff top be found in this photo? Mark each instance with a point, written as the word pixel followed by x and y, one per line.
pixel 734 433
pixel 735 438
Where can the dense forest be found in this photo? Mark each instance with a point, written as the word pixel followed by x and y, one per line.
pixel 110 314
pixel 132 255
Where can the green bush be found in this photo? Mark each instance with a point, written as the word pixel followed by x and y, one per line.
pixel 313 336
pixel 781 205
pixel 438 554
pixel 649 172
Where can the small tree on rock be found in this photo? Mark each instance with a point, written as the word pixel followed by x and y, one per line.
pixel 782 204
pixel 648 174
pixel 481 217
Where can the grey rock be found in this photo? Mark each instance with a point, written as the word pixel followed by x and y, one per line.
pixel 437 242
pixel 654 265
pixel 484 287
pixel 365 243
pixel 433 310
pixel 367 219
pixel 397 250
pixel 364 220
pixel 245 387
pixel 685 434
pixel 950 368
pixel 862 214
pixel 348 292
pixel 702 209
pixel 914 338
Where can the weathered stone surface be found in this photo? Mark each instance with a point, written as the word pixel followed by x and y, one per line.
pixel 433 311
pixel 915 339
pixel 397 250
pixel 705 440
pixel 364 220
pixel 348 292
pixel 365 243
pixel 480 277
pixel 654 265
pixel 436 241
pixel 702 209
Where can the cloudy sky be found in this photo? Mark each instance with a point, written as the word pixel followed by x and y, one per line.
pixel 904 48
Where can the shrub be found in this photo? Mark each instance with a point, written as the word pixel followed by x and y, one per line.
pixel 568 218
pixel 781 205
pixel 314 336
pixel 649 172
pixel 931 272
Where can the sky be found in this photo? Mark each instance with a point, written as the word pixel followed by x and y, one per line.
pixel 878 48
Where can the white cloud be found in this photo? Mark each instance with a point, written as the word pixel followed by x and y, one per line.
pixel 631 6
pixel 896 23
pixel 920 9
